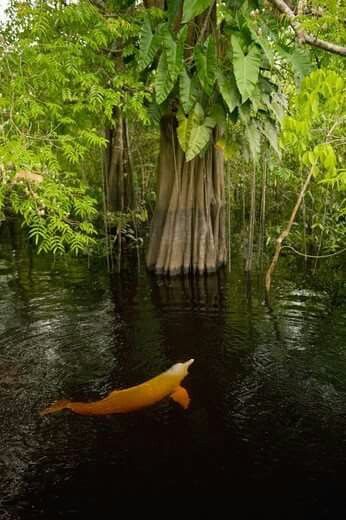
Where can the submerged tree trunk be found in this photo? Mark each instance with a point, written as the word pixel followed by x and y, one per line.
pixel 249 255
pixel 188 227
pixel 120 194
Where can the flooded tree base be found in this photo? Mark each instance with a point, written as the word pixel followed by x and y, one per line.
pixel 188 228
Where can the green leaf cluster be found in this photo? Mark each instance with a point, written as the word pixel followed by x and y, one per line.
pixel 317 125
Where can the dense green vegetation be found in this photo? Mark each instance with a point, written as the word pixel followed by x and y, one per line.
pixel 240 104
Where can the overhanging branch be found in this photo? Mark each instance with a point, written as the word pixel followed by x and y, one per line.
pixel 303 36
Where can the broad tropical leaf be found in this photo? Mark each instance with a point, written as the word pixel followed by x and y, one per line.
pixel 188 91
pixel 199 138
pixel 263 42
pixel 206 61
pixel 186 124
pixel 174 49
pixel 245 112
pixel 183 132
pixel 229 91
pixel 194 132
pixel 182 35
pixel 218 114
pixel 299 60
pixel 146 45
pixel 246 68
pixel 164 82
pixel 253 135
pixel 193 8
pixel 171 52
pixel 270 131
pixel 277 105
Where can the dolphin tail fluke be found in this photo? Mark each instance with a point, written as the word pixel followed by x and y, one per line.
pixel 181 397
pixel 55 407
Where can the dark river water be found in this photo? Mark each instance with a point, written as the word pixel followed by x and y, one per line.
pixel 267 422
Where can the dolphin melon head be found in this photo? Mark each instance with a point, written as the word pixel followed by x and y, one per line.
pixel 181 368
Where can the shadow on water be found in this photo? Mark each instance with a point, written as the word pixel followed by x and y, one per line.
pixel 266 426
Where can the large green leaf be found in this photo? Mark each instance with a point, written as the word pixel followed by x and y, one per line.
pixel 164 82
pixel 270 131
pixel 188 91
pixel 194 132
pixel 206 61
pixel 246 68
pixel 253 135
pixel 182 35
pixel 229 91
pixel 174 49
pixel 186 124
pixel 199 138
pixel 299 60
pixel 183 132
pixel 193 8
pixel 171 51
pixel 277 105
pixel 263 42
pixel 245 112
pixel 218 114
pixel 148 45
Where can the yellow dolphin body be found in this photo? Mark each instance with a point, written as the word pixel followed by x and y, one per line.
pixel 136 397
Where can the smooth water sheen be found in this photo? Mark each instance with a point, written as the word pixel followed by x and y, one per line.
pixel 267 423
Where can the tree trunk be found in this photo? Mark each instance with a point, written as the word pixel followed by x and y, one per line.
pixel 120 194
pixel 249 255
pixel 188 227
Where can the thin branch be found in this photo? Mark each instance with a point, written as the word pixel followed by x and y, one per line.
pixel 340 252
pixel 284 234
pixel 336 123
pixel 303 36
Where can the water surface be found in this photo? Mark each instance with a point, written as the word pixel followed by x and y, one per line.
pixel 267 423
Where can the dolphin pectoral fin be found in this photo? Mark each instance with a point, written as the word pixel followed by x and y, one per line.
pixel 181 396
pixel 55 407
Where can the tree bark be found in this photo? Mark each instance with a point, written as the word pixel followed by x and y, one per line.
pixel 120 194
pixel 188 227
